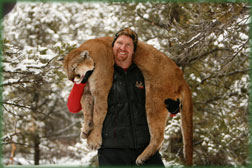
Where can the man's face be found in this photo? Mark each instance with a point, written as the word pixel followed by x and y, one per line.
pixel 123 50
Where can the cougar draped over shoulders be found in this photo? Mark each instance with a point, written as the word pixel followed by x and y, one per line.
pixel 163 79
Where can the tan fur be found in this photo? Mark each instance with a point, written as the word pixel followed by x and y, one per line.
pixel 99 83
pixel 87 102
pixel 163 79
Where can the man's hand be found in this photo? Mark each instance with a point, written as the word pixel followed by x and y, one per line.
pixel 87 75
pixel 172 105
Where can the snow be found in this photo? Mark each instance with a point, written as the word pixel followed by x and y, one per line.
pixel 227 138
pixel 146 16
pixel 10 81
pixel 220 38
pixel 155 43
pixel 196 36
pixel 84 21
pixel 243 36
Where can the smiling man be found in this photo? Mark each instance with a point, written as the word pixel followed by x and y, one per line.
pixel 125 132
pixel 123 51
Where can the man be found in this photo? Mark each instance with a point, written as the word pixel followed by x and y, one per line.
pixel 125 131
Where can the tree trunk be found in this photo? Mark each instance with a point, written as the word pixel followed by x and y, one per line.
pixel 36 149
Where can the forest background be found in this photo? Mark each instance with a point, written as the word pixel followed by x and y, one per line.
pixel 208 41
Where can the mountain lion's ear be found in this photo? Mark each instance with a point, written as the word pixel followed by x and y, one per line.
pixel 84 54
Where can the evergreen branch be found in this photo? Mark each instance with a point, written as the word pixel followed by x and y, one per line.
pixel 186 61
pixel 17 105
pixel 223 75
pixel 15 83
pixel 161 25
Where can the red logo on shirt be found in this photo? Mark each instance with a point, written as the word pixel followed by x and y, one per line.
pixel 139 85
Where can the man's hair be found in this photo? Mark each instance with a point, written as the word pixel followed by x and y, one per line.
pixel 128 32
